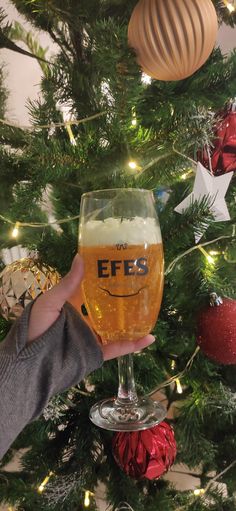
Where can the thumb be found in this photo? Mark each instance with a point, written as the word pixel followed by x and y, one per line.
pixel 47 307
pixel 67 285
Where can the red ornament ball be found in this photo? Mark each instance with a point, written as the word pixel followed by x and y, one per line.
pixel 217 332
pixel 223 151
pixel 149 453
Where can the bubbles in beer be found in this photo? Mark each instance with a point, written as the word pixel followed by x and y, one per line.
pixel 123 279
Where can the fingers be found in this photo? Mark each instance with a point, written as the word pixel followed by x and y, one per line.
pixel 120 348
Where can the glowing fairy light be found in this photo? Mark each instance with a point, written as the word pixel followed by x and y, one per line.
pixel 15 231
pixel 41 487
pixel 87 498
pixel 198 492
pixel 71 134
pixel 179 387
pixel 230 6
pixel 186 175
pixel 209 258
pixel 132 165
pixel 146 79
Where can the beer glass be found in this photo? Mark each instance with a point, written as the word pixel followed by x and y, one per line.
pixel 120 242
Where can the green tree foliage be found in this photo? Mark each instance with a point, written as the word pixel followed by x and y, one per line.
pixel 94 72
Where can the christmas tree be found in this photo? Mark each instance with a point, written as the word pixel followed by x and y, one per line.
pixel 124 130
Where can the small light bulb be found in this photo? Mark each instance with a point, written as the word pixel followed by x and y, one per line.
pixel 178 386
pixel 15 231
pixel 146 79
pixel 134 122
pixel 71 135
pixel 198 492
pixel 173 365
pixel 209 258
pixel 87 499
pixel 186 175
pixel 132 164
pixel 230 7
pixel 41 487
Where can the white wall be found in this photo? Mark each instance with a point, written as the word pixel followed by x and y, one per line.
pixel 22 73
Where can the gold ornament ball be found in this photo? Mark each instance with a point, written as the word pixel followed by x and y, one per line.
pixel 21 282
pixel 172 38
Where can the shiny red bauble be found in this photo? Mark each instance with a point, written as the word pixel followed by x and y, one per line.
pixel 145 454
pixel 217 332
pixel 223 150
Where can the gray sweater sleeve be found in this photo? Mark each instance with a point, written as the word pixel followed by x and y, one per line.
pixel 30 374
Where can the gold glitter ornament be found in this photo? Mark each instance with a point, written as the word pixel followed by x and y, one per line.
pixel 21 282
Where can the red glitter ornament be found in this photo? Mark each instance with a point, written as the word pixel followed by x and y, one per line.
pixel 217 330
pixel 223 153
pixel 148 453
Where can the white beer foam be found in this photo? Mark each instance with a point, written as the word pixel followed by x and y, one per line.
pixel 114 230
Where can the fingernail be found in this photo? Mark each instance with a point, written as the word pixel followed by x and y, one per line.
pixel 77 260
pixel 78 257
pixel 151 339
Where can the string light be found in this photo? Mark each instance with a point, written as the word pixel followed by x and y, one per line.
pixel 33 127
pixel 186 174
pixel 173 263
pixel 71 135
pixel 146 79
pixel 209 258
pixel 179 387
pixel 173 365
pixel 17 225
pixel 133 165
pixel 198 492
pixel 87 495
pixel 214 252
pixel 173 379
pixel 230 6
pixel 41 487
pixel 134 120
pixel 15 231
pixel 87 499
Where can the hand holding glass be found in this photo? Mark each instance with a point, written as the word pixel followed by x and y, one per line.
pixel 120 242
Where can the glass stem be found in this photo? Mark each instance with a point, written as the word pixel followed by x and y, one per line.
pixel 126 392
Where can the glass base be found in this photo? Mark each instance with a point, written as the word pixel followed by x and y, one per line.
pixel 115 416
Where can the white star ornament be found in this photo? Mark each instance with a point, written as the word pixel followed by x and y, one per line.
pixel 214 187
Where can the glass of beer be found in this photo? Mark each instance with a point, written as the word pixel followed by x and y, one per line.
pixel 120 242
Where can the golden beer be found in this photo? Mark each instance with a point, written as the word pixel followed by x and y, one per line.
pixel 123 282
pixel 123 290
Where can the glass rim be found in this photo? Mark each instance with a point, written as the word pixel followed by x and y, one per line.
pixel 94 192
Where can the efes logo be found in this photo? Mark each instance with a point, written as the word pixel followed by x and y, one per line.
pixel 128 267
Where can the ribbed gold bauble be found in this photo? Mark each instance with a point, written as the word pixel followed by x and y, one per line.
pixel 172 38
pixel 21 282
